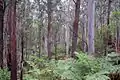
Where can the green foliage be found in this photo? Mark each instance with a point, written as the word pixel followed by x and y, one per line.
pixel 88 62
pixel 104 31
pixel 37 69
pixel 98 76
pixel 4 74
pixel 84 68
pixel 60 51
pixel 107 66
pixel 99 39
pixel 116 15
pixel 63 69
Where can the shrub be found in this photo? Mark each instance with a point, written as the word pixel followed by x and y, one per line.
pixel 83 68
pixel 4 74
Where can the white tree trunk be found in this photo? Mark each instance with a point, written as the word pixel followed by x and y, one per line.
pixel 67 36
pixel 91 14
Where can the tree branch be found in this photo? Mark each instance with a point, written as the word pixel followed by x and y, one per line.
pixel 74 1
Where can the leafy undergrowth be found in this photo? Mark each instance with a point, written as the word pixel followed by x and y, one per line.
pixel 84 68
pixel 4 74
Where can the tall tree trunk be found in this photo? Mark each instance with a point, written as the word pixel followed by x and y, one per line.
pixel 75 27
pixel 49 41
pixel 108 21
pixel 91 11
pixel 40 28
pixel 55 44
pixel 1 31
pixel 40 38
pixel 67 41
pixel 108 13
pixel 5 38
pixel 67 33
pixel 19 39
pixel 22 51
pixel 84 43
pixel 118 38
pixel 40 43
pixel 6 51
pixel 13 40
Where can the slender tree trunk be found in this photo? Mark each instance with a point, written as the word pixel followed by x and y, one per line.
pixel 5 36
pixel 84 46
pixel 75 27
pixel 1 31
pixel 91 11
pixel 67 33
pixel 108 21
pixel 22 58
pixel 55 44
pixel 13 40
pixel 40 28
pixel 108 13
pixel 117 39
pixel 40 38
pixel 67 41
pixel 40 44
pixel 49 41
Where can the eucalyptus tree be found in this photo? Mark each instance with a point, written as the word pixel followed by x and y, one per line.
pixel 13 47
pixel 83 24
pixel 40 18
pixel 109 10
pixel 1 31
pixel 75 27
pixel 51 4
pixel 91 18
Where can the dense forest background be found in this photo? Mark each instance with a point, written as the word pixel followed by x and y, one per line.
pixel 60 39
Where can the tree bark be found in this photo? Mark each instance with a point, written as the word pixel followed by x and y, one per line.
pixel 67 41
pixel 22 56
pixel 91 11
pixel 49 41
pixel 6 50
pixel 84 46
pixel 75 27
pixel 108 21
pixel 1 31
pixel 108 13
pixel 13 44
